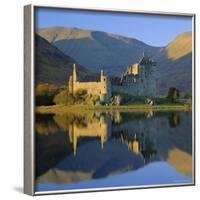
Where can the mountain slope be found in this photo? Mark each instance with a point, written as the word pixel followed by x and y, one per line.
pixel 53 66
pixel 97 50
pixel 174 64
pixel 181 46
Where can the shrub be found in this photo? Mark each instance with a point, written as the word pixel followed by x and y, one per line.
pixel 64 98
pixel 126 99
pixel 46 89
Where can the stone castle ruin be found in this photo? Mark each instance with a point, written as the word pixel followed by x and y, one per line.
pixel 138 80
pixel 102 88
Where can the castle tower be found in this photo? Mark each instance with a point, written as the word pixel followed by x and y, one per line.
pixel 74 73
pixel 147 79
pixel 102 76
pixel 72 80
pixel 105 87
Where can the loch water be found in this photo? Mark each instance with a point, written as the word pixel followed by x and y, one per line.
pixel 90 149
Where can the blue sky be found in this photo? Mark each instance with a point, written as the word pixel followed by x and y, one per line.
pixel 154 30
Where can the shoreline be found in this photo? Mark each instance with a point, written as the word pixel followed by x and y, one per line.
pixel 124 108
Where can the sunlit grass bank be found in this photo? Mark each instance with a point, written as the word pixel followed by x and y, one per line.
pixel 123 108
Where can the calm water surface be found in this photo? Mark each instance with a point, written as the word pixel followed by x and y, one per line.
pixel 100 150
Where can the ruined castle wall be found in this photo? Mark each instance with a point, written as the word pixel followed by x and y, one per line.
pixel 144 84
pixel 149 81
pixel 131 85
pixel 101 88
pixel 94 88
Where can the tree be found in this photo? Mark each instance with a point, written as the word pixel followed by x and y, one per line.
pixel 64 98
pixel 46 89
pixel 173 94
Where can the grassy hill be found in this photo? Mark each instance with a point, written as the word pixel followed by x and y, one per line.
pixel 175 65
pixel 181 46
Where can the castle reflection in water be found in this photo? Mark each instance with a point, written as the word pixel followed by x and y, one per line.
pixel 74 147
pixel 94 127
pixel 98 125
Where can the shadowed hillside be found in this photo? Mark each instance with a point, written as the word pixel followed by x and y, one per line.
pixel 97 50
pixel 53 66
pixel 175 65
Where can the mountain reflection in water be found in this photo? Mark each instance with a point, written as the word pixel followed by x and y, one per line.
pixel 81 150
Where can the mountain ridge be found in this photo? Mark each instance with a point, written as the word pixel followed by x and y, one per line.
pixel 51 29
pixel 96 50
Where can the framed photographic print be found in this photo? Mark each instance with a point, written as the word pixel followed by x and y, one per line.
pixel 109 99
